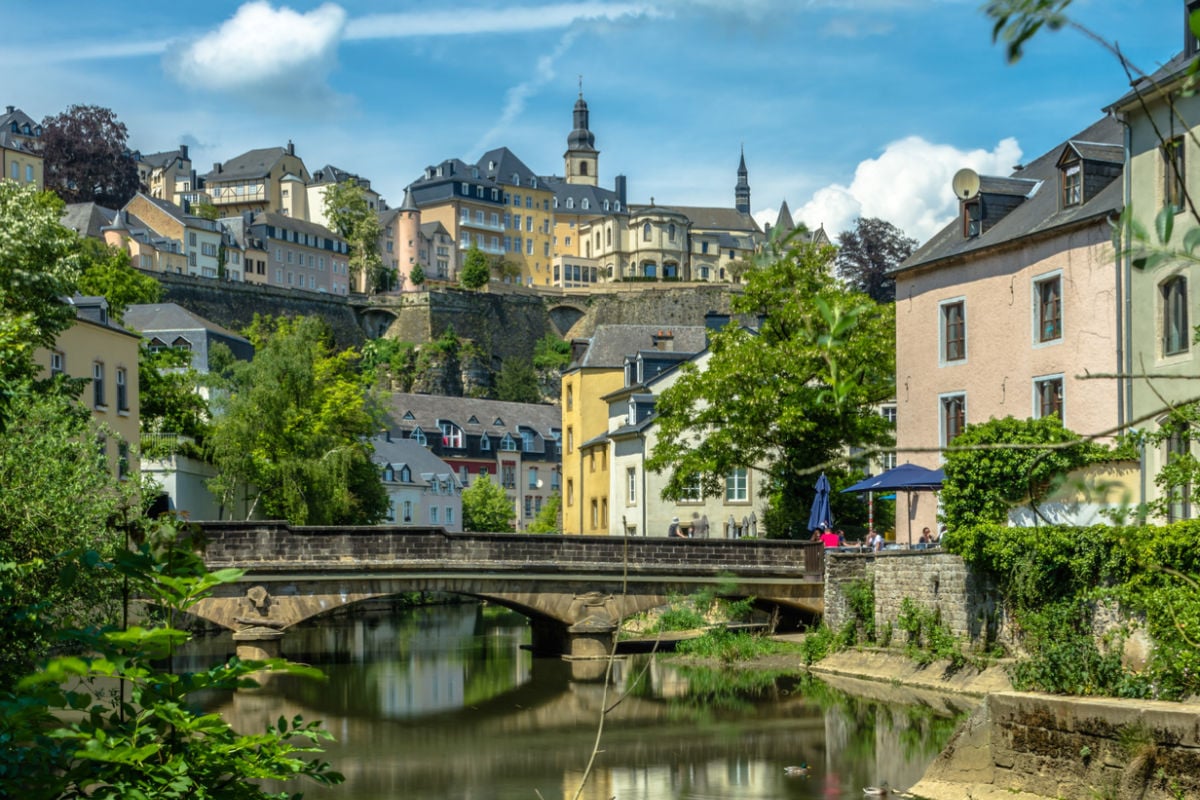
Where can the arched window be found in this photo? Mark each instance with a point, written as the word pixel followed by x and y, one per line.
pixel 516 179
pixel 671 232
pixel 608 236
pixel 646 232
pixel 583 165
pixel 585 204
pixel 570 202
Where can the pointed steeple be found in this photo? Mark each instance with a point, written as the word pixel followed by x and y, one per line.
pixel 784 220
pixel 409 204
pixel 741 192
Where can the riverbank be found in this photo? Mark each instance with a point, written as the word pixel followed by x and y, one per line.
pixel 1024 745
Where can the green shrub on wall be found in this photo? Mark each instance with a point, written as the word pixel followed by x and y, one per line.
pixel 1053 579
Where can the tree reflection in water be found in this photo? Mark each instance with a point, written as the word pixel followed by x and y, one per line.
pixel 443 702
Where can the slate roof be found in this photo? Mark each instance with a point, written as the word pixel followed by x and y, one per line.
pixel 595 195
pixel 1167 73
pixel 155 317
pixel 1041 212
pixel 427 409
pixel 332 174
pixel 708 218
pixel 503 165
pixel 249 165
pixel 423 464
pixel 163 159
pixel 177 213
pixel 87 219
pixel 294 224
pixel 610 344
pixel 22 121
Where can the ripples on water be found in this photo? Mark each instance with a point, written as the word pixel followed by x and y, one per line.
pixel 442 702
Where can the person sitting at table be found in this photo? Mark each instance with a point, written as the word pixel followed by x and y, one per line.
pixel 829 538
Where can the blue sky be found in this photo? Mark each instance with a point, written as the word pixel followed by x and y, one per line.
pixel 843 107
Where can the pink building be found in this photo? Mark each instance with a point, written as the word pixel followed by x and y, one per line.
pixel 1008 309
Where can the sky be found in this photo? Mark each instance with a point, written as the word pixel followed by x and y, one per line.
pixel 843 108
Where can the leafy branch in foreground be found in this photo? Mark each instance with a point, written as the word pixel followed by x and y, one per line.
pixel 65 733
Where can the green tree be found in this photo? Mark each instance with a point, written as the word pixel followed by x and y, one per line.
pixel 517 382
pixel 789 398
pixel 868 253
pixel 993 466
pixel 390 363
pixel 416 276
pixel 547 520
pixel 65 733
pixel 39 265
pixel 551 353
pixel 476 271
pixel 170 399
pixel 107 272
pixel 292 429
pixel 87 157
pixel 58 494
pixel 351 216
pixel 486 508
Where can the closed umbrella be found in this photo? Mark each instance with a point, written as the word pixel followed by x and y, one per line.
pixel 821 514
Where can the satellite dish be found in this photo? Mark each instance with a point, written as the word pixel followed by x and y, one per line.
pixel 966 183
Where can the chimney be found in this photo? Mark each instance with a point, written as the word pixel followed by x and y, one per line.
pixel 291 148
pixel 183 152
pixel 11 109
pixel 217 167
pixel 579 348
pixel 664 341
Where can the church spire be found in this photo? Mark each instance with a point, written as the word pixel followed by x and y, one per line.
pixel 582 158
pixel 741 193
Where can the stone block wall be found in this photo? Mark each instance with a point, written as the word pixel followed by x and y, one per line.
pixel 966 603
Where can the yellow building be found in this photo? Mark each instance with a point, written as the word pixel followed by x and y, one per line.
pixel 272 179
pixel 19 158
pixel 103 353
pixel 528 215
pixel 614 356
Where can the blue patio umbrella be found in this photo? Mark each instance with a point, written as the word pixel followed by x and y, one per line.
pixel 821 514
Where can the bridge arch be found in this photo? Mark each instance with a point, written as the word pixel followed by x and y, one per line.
pixel 564 315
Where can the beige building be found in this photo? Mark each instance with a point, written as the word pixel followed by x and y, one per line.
pixel 327 176
pixel 291 253
pixel 406 242
pixel 168 175
pixel 1163 309
pixel 19 157
pixel 1009 309
pixel 98 350
pixel 163 237
pixel 272 179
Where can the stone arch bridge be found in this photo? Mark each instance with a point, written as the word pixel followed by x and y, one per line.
pixel 574 589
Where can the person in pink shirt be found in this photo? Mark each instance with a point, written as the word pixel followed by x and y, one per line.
pixel 829 538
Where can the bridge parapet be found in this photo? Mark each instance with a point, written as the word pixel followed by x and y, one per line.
pixel 270 546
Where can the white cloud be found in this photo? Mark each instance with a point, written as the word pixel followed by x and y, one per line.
pixel 508 20
pixel 908 185
pixel 261 45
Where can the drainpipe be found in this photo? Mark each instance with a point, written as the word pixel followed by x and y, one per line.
pixel 1126 278
pixel 579 450
pixel 645 499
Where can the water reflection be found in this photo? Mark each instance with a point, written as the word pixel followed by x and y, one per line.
pixel 443 702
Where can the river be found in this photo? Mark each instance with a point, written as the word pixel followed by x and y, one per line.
pixel 442 702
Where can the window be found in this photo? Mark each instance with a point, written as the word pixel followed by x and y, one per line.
pixel 736 488
pixel 418 436
pixel 1174 316
pixel 1174 186
pixel 508 476
pixel 570 440
pixel 389 474
pixel 954 416
pixel 485 442
pixel 646 232
pixel 570 397
pixel 1048 298
pixel 527 441
pixel 433 515
pixel 1179 445
pixel 954 331
pixel 604 511
pixel 533 477
pixel 528 506
pixel 407 511
pixel 122 391
pixel 508 443
pixel 888 460
pixel 98 385
pixel 1048 397
pixel 595 514
pixel 1072 184
pixel 58 361
pixel 405 474
pixel 692 492
pixel 452 435
pixel 671 232
pixel 631 485
pixel 570 492
pixel 449 515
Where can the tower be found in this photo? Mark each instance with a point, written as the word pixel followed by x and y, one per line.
pixel 582 159
pixel 741 193
pixel 408 236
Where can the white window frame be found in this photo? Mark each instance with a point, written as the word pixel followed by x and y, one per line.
pixel 1036 386
pixel 941 412
pixel 631 492
pixel 737 485
pixel 1036 289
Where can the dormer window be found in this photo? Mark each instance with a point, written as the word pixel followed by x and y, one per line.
pixel 405 474
pixel 585 204
pixel 389 474
pixel 972 217
pixel 418 436
pixel 1072 184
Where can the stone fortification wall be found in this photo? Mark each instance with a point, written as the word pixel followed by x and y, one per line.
pixel 637 304
pixel 1022 745
pixel 233 305
pixel 966 603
